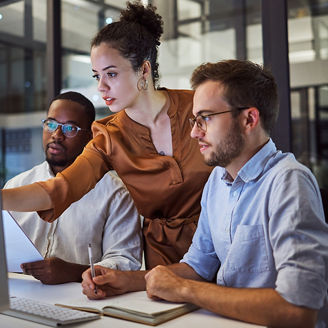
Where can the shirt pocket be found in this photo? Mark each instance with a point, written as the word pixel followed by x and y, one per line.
pixel 247 257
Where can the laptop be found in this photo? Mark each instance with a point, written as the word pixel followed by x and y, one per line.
pixel 15 241
pixel 29 309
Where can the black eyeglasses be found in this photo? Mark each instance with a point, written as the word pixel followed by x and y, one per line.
pixel 68 129
pixel 201 119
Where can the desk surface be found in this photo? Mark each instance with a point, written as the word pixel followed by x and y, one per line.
pixel 27 286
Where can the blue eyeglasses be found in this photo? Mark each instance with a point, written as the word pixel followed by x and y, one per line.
pixel 68 129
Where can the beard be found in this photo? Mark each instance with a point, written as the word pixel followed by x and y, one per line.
pixel 228 149
pixel 60 160
pixel 54 162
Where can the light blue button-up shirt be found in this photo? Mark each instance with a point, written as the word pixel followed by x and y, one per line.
pixel 265 229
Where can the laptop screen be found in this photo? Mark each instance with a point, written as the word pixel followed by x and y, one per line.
pixel 4 296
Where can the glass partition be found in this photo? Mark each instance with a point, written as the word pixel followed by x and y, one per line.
pixel 308 50
pixel 22 84
pixel 206 31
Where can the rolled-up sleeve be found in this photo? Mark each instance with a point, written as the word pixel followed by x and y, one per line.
pixel 122 239
pixel 298 236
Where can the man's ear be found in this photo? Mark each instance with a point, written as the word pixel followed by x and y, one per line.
pixel 252 117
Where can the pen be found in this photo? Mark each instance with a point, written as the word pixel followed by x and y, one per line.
pixel 93 273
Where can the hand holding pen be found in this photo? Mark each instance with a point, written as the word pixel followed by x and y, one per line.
pixel 93 273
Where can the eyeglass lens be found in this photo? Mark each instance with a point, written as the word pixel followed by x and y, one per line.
pixel 200 122
pixel 69 130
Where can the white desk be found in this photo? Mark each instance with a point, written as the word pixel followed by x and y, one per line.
pixel 27 286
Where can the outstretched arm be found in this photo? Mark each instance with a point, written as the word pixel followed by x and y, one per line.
pixel 262 306
pixel 27 198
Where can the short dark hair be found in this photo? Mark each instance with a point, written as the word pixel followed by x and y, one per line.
pixel 136 36
pixel 80 99
pixel 245 84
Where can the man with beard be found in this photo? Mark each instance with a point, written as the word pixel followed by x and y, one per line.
pixel 105 217
pixel 261 232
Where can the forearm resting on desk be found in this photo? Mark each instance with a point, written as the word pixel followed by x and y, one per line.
pixel 262 306
pixel 54 270
pixel 25 199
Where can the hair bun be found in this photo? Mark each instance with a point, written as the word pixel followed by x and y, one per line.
pixel 144 16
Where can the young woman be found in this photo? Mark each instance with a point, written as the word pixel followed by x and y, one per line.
pixel 147 141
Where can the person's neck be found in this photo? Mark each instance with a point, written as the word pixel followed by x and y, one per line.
pixel 56 169
pixel 150 108
pixel 248 152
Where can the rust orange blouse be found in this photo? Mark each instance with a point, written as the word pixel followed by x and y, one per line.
pixel 166 190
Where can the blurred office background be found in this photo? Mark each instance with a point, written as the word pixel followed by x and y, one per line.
pixel 44 50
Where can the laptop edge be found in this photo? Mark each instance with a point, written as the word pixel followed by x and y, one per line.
pixel 4 294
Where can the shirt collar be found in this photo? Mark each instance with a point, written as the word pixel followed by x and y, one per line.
pixel 255 166
pixel 49 169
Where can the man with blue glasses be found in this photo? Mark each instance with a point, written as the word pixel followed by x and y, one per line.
pixel 106 216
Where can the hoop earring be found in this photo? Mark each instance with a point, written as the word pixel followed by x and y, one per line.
pixel 142 84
